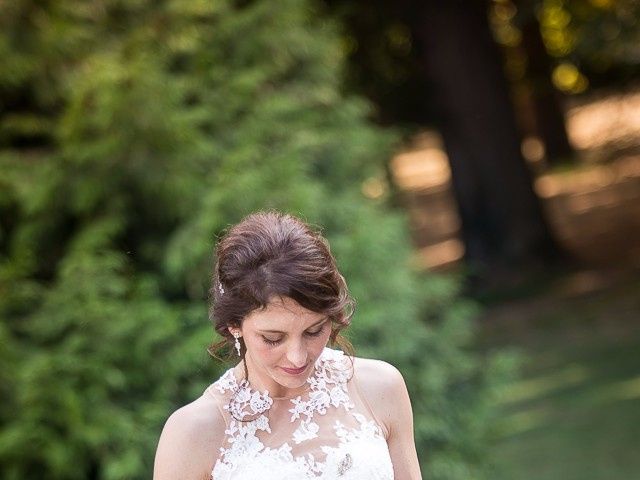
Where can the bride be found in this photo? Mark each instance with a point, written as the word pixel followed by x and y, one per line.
pixel 291 408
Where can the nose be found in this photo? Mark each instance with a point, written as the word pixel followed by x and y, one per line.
pixel 297 354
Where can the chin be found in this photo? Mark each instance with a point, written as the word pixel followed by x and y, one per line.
pixel 291 381
pixel 292 384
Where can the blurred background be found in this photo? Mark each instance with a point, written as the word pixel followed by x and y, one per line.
pixel 475 165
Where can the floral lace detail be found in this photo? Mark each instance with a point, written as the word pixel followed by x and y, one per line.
pixel 226 382
pixel 368 428
pixel 328 387
pixel 350 456
pixel 245 403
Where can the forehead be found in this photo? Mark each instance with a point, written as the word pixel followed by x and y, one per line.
pixel 282 313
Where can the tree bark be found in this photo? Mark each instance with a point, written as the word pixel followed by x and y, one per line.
pixel 502 220
pixel 548 114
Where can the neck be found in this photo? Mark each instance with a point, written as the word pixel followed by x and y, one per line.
pixel 261 381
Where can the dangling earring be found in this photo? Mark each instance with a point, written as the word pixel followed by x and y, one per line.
pixel 236 335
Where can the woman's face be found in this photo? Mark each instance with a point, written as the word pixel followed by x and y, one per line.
pixel 282 344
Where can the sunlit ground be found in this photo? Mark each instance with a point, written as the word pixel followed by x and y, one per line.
pixel 575 413
pixel 593 206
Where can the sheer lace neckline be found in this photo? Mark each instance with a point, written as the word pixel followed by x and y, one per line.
pixel 244 383
pixel 327 386
pixel 319 435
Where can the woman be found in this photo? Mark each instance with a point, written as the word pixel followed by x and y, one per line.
pixel 291 408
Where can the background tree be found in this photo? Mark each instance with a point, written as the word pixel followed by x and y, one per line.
pixel 459 69
pixel 500 213
pixel 132 135
pixel 548 113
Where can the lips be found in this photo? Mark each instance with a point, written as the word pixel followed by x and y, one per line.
pixel 294 371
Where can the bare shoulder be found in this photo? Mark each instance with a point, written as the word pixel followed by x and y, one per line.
pixel 198 420
pixel 377 377
pixel 190 441
pixel 384 389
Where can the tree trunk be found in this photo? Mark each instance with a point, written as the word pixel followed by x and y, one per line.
pixel 549 117
pixel 502 221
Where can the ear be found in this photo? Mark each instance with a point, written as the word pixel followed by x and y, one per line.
pixel 234 330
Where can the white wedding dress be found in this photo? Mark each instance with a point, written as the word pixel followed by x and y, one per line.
pixel 328 433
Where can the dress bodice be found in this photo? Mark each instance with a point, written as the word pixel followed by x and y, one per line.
pixel 327 433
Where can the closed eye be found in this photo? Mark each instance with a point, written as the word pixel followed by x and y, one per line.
pixel 317 331
pixel 309 333
pixel 272 342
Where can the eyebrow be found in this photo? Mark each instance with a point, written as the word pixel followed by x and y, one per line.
pixel 311 326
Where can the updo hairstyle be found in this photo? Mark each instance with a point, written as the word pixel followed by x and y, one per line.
pixel 270 255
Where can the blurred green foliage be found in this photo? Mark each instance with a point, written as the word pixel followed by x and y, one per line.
pixel 133 133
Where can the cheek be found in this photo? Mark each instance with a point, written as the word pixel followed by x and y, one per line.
pixel 263 353
pixel 318 343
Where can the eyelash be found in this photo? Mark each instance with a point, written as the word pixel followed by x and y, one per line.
pixel 273 343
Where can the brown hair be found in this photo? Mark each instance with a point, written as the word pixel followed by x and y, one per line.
pixel 271 254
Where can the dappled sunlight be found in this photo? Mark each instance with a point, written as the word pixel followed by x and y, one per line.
pixel 533 150
pixel 595 210
pixel 538 410
pixel 522 421
pixel 440 254
pixel 538 386
pixel 374 188
pixel 620 391
pixel 608 120
pixel 421 169
pixel 585 181
pixel 576 407
pixel 595 186
pixel 423 175
pixel 571 391
pixel 593 207
pixel 580 385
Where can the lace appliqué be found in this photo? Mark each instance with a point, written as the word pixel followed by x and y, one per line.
pixel 247 457
pixel 328 387
pixel 361 453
